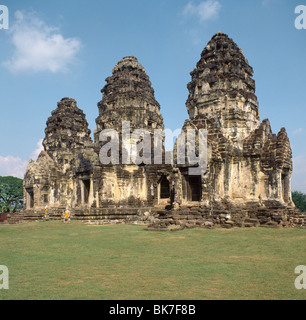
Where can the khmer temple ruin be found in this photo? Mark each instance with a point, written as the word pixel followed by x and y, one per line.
pixel 246 181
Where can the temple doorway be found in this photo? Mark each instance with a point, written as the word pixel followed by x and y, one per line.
pixel 164 188
pixel 86 190
pixel 285 187
pixel 194 188
pixel 30 198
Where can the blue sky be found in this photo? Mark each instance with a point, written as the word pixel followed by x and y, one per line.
pixel 55 49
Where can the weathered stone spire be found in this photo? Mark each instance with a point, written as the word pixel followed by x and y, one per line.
pixel 66 131
pixel 222 86
pixel 128 96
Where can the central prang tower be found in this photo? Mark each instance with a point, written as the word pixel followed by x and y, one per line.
pixel 128 96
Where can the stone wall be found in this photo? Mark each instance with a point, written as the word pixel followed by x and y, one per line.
pixel 247 216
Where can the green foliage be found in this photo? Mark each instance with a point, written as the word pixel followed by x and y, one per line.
pixel 11 194
pixel 299 199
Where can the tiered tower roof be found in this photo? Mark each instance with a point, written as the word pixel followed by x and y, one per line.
pixel 128 96
pixel 67 129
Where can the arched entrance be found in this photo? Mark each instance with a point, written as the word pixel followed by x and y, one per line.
pixel 164 188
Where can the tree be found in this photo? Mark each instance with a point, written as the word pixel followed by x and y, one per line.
pixel 11 193
pixel 299 199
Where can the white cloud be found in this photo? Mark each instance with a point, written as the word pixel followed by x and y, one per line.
pixel 298 180
pixel 38 47
pixel 206 10
pixel 38 150
pixel 15 166
pixel 11 166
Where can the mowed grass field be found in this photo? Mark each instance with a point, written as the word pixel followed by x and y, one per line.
pixel 53 260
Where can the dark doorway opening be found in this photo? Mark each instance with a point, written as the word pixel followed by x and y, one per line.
pixel 45 196
pixel 86 184
pixel 285 187
pixel 30 198
pixel 164 188
pixel 194 188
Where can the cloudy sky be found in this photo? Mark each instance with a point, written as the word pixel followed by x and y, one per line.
pixel 55 49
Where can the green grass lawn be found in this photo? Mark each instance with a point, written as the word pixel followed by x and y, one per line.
pixel 52 260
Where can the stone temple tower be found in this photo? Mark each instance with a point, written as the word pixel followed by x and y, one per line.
pixel 66 133
pixel 128 97
pixel 245 180
pixel 51 180
pixel 247 163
